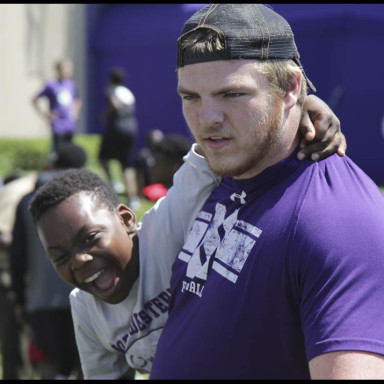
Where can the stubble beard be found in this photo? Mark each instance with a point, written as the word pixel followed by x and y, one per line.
pixel 271 119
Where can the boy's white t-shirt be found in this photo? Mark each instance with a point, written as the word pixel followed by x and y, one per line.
pixel 113 337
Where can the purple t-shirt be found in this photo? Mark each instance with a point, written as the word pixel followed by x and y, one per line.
pixel 277 270
pixel 61 96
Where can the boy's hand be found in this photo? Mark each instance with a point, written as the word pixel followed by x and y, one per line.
pixel 321 130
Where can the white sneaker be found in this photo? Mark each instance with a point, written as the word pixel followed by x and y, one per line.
pixel 134 203
pixel 118 187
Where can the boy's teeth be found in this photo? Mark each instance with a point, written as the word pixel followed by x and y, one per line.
pixel 93 277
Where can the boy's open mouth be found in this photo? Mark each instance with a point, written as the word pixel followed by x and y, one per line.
pixel 103 282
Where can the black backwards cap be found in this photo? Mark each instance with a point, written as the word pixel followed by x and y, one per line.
pixel 249 31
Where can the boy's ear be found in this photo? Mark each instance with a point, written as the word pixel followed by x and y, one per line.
pixel 127 218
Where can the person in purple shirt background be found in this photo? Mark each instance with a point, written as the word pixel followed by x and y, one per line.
pixel 281 276
pixel 64 104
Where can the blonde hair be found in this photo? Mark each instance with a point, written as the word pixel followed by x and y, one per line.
pixel 279 74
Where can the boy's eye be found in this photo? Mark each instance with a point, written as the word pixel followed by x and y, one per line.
pixel 59 259
pixel 89 238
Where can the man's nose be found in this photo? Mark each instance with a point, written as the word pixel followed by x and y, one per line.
pixel 79 259
pixel 210 113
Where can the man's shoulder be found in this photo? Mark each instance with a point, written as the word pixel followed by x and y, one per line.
pixel 342 174
pixel 338 190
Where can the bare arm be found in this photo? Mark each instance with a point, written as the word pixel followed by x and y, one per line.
pixel 5 240
pixel 321 132
pixel 77 107
pixel 343 365
pixel 45 115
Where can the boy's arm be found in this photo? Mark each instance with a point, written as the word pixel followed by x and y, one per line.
pixel 192 184
pixel 321 132
pixel 169 221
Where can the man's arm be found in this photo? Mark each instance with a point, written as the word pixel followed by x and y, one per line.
pixel 347 365
pixel 321 132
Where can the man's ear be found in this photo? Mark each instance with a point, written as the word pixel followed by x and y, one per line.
pixel 293 90
pixel 127 218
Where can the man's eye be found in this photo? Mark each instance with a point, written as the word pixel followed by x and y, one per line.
pixel 234 94
pixel 188 97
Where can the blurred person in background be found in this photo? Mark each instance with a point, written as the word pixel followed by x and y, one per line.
pixel 14 363
pixel 145 160
pixel 41 298
pixel 64 104
pixel 167 159
pixel 120 134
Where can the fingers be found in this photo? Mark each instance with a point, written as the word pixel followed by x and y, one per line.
pixel 326 126
pixel 306 127
pixel 321 132
pixel 318 150
pixel 325 139
pixel 343 146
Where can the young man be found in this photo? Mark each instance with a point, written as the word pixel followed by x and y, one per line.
pixel 122 273
pixel 119 139
pixel 64 104
pixel 281 275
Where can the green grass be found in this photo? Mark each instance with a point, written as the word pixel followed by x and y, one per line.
pixel 145 205
pixel 26 155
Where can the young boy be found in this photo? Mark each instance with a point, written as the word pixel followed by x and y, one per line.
pixel 120 303
pixel 121 271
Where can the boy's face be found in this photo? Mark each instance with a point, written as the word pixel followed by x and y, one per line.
pixel 91 247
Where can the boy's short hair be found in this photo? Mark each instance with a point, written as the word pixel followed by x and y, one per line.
pixel 67 184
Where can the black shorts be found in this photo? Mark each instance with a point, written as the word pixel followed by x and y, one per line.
pixel 61 138
pixel 118 146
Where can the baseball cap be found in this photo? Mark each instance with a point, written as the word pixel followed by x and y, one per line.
pixel 248 31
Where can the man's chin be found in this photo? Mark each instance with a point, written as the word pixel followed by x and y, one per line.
pixel 225 170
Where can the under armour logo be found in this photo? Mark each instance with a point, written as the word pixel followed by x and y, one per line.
pixel 241 197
